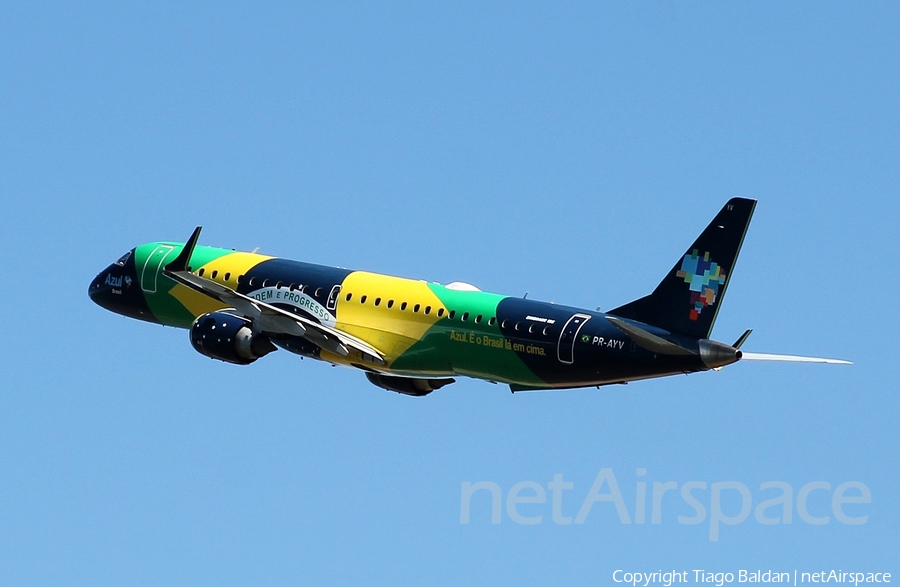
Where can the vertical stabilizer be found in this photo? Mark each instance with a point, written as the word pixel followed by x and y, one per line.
pixel 687 300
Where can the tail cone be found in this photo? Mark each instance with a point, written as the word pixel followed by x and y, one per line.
pixel 716 354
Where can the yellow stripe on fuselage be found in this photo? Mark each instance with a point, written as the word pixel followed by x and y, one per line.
pixel 391 330
pixel 232 265
pixel 195 302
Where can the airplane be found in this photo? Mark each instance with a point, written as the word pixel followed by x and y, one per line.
pixel 413 337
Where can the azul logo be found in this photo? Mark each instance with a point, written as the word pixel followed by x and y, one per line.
pixel 113 281
pixel 703 278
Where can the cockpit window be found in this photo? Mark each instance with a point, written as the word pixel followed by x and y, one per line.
pixel 123 259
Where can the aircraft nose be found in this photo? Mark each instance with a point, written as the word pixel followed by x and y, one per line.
pixel 113 288
pixel 118 290
pixel 94 288
pixel 97 284
pixel 101 289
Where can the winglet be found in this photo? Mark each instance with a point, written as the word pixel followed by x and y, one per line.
pixel 184 258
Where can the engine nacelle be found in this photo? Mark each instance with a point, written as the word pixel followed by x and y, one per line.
pixel 407 385
pixel 229 338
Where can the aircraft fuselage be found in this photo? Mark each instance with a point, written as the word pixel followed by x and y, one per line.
pixel 423 329
pixel 413 336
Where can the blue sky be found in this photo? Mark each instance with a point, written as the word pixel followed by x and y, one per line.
pixel 572 152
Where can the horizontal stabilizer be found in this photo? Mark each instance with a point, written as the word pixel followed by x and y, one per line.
pixel 742 339
pixel 651 342
pixel 790 358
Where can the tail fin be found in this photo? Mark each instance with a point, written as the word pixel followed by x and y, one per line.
pixel 687 300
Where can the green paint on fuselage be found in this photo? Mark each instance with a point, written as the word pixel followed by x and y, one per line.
pixel 465 347
pixel 165 306
pixel 450 346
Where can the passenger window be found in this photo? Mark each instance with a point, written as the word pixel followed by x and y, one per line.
pixel 531 329
pixel 240 278
pixel 492 321
pixel 478 319
pixel 278 285
pixel 416 308
pixel 377 301
pixel 390 303
pixel 265 283
pixel 318 292
pixel 214 273
pixel 518 326
pixel 427 310
pixel 452 314
pixel 440 312
pixel 200 273
pixel 252 280
pixel 362 300
pixel 465 316
pixel 403 306
pixel 504 324
pixel 546 330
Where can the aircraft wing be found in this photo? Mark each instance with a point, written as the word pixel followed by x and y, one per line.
pixel 266 317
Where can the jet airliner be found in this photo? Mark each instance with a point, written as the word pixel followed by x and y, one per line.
pixel 412 336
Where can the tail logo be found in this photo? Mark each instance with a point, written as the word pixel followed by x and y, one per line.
pixel 703 278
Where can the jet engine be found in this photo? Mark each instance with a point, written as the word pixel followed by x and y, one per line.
pixel 229 338
pixel 407 385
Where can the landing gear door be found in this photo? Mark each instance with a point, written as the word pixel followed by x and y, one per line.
pixel 568 336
